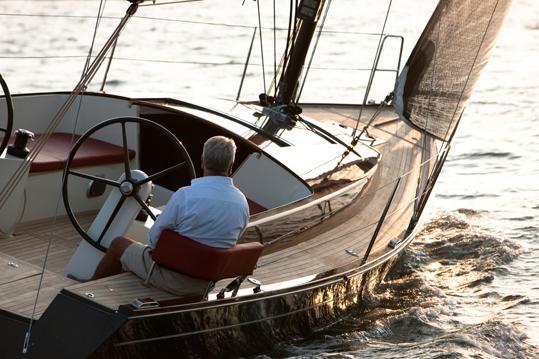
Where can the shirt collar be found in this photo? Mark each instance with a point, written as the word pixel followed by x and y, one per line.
pixel 212 179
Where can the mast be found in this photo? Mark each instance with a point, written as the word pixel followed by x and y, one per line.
pixel 281 112
pixel 307 16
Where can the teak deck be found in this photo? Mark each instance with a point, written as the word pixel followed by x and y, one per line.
pixel 321 248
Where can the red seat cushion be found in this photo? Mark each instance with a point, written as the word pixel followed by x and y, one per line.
pixel 53 155
pixel 184 255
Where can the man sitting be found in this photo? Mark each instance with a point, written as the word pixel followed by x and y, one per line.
pixel 210 211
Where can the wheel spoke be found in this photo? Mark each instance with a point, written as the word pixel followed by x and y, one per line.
pixel 112 216
pixel 160 173
pixel 126 153
pixel 145 207
pixel 95 178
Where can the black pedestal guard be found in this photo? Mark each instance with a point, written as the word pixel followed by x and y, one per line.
pixel 6 125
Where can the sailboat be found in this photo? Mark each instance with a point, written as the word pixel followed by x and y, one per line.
pixel 335 195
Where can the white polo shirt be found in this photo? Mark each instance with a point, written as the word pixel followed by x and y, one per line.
pixel 210 211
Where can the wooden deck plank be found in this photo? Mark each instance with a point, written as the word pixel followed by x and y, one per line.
pixel 13 269
pixel 19 296
pixel 30 241
pixel 118 290
pixel 28 247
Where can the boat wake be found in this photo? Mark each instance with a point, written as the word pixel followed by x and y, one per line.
pixel 436 301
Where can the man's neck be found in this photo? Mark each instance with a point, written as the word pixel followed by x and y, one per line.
pixel 214 173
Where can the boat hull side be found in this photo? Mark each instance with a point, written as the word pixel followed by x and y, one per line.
pixel 243 328
pixel 72 327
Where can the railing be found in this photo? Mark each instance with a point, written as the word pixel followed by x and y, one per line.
pixel 377 60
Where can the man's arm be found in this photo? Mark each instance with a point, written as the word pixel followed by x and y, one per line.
pixel 245 216
pixel 166 220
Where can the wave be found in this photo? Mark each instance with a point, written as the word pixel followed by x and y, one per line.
pixel 521 218
pixel 115 83
pixel 490 154
pixel 468 196
pixel 492 339
pixel 435 302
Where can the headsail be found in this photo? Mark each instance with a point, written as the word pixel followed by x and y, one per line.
pixel 438 79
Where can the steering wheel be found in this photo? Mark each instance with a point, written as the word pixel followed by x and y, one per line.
pixel 8 126
pixel 130 182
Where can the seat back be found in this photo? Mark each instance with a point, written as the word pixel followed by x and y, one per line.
pixel 184 255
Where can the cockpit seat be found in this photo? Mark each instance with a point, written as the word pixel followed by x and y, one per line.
pixel 93 152
pixel 184 255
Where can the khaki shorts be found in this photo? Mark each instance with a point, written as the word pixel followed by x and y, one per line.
pixel 137 259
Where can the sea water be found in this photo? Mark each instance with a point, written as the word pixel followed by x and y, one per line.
pixel 467 286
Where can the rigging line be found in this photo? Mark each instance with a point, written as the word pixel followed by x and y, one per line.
pixel 196 22
pixel 184 62
pixel 100 12
pixel 327 31
pixel 234 64
pixel 97 23
pixel 169 3
pixel 288 40
pixel 152 18
pixel 28 334
pixel 274 50
pixel 294 36
pixel 469 75
pixel 102 89
pixel 41 276
pixel 328 135
pixel 373 117
pixel 351 147
pixel 373 69
pixel 314 51
pixel 246 63
pixel 8 188
pixel 331 160
pixel 43 57
pixel 14 14
pixel 272 86
pixel 87 64
pixel 261 46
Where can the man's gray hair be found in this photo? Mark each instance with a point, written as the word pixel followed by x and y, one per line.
pixel 218 154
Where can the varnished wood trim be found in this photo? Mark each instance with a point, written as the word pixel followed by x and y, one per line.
pixel 276 216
